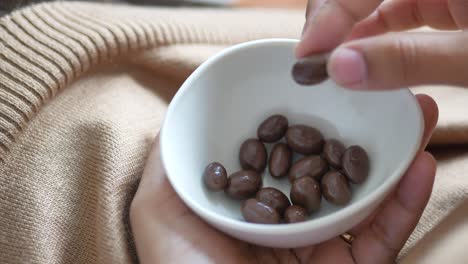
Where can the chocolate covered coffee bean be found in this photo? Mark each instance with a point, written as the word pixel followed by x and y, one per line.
pixel 273 198
pixel 325 168
pixel 313 166
pixel 255 211
pixel 243 184
pixel 272 129
pixel 253 155
pixel 280 160
pixel 215 177
pixel 356 164
pixel 295 214
pixel 335 188
pixel 304 139
pixel 306 192
pixel 333 151
pixel 311 70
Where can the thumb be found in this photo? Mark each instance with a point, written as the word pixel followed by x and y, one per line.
pixel 400 60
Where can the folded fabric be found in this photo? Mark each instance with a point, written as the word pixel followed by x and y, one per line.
pixel 83 90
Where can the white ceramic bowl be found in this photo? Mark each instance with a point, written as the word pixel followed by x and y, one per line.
pixel 222 103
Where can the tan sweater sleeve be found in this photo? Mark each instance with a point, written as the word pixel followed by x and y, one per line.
pixel 46 47
pixel 83 90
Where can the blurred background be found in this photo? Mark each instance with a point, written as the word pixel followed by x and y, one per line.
pixel 7 6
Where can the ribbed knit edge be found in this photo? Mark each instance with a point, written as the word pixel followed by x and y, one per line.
pixel 46 46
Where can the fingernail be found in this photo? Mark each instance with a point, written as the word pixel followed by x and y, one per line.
pixel 311 70
pixel 304 28
pixel 307 9
pixel 348 68
pixel 312 9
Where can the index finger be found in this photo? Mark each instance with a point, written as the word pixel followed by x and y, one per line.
pixel 330 22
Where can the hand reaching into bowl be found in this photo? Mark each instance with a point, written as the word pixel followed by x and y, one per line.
pixel 166 231
pixel 366 58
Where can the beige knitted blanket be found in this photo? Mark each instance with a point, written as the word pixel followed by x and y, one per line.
pixel 83 90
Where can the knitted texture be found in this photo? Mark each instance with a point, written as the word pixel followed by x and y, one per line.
pixel 71 158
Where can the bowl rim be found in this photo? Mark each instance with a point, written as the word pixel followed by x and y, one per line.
pixel 265 229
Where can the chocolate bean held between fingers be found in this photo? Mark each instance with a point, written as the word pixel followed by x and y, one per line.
pixel 333 151
pixel 273 198
pixel 272 129
pixel 306 192
pixel 312 166
pixel 295 214
pixel 215 177
pixel 253 155
pixel 280 160
pixel 335 188
pixel 243 184
pixel 255 211
pixel 356 164
pixel 305 140
pixel 311 70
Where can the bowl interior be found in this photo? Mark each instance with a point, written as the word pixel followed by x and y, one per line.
pixel 225 100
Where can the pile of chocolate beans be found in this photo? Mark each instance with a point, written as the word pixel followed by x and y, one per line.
pixel 324 168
